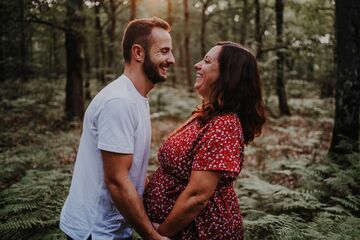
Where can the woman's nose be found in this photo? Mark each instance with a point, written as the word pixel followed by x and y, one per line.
pixel 197 66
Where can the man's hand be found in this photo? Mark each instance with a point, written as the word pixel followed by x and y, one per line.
pixel 155 225
pixel 164 238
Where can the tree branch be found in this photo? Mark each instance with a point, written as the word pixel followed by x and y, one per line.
pixel 43 22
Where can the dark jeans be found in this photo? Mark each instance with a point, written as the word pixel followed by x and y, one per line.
pixel 69 238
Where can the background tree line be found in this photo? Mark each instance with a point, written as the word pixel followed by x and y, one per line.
pixel 292 39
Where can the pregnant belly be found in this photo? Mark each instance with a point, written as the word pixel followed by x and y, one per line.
pixel 160 195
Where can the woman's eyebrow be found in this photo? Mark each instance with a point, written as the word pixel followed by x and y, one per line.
pixel 208 58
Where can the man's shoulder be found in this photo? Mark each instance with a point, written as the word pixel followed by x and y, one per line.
pixel 116 90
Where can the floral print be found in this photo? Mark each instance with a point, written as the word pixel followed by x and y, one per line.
pixel 216 146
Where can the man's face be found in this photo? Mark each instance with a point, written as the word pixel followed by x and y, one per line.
pixel 159 56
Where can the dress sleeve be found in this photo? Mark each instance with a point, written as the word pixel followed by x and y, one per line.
pixel 221 146
pixel 116 126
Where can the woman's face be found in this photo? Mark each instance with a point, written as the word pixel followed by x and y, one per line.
pixel 207 72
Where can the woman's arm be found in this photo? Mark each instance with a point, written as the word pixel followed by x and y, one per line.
pixel 190 202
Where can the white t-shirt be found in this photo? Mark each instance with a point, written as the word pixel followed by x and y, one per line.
pixel 117 120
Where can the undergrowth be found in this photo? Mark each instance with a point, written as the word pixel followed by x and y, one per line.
pixel 325 203
pixel 298 196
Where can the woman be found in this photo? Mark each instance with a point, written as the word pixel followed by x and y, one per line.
pixel 191 195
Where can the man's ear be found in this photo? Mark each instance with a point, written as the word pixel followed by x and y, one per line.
pixel 137 53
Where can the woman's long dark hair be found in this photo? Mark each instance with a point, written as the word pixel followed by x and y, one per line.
pixel 237 90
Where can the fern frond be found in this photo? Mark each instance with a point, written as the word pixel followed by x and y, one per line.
pixel 275 227
pixel 351 202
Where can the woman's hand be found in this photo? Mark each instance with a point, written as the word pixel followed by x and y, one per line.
pixel 155 225
pixel 147 180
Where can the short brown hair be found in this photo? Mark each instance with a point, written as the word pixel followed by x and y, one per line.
pixel 138 31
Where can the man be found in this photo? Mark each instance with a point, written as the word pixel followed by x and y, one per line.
pixel 110 169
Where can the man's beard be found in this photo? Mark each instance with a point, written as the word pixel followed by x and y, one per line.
pixel 151 71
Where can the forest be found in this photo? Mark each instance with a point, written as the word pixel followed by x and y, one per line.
pixel 300 178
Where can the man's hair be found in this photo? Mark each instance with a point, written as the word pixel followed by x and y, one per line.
pixel 138 31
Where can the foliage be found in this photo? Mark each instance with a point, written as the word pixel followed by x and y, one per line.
pixel 324 204
pixel 297 194
pixel 30 209
pixel 35 154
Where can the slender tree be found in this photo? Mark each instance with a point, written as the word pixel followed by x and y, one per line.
pixel 111 10
pixel 170 12
pixel 87 69
pixel 133 10
pixel 280 59
pixel 245 22
pixel 74 99
pixel 55 60
pixel 170 21
pixel 258 32
pixel 204 21
pixel 187 42
pixel 347 58
pixel 99 59
pixel 2 53
pixel 111 34
pixel 23 52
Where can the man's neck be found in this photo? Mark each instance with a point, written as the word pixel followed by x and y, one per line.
pixel 136 74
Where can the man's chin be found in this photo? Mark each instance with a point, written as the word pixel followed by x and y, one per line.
pixel 158 79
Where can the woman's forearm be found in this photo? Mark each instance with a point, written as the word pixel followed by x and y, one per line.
pixel 185 210
pixel 190 202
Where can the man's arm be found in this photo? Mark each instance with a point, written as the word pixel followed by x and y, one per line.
pixel 124 194
pixel 190 202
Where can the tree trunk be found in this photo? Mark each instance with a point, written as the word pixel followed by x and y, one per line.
pixel 57 70
pixel 187 42
pixel 111 35
pixel 23 55
pixel 133 10
pixel 87 70
pixel 99 47
pixel 2 50
pixel 170 21
pixel 203 27
pixel 310 69
pixel 258 32
pixel 280 86
pixel 170 17
pixel 245 22
pixel 347 58
pixel 74 101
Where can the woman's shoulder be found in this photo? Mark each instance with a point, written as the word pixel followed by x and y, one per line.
pixel 227 119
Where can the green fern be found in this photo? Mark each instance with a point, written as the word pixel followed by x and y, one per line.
pixel 33 205
pixel 351 202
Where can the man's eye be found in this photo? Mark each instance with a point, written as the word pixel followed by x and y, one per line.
pixel 164 51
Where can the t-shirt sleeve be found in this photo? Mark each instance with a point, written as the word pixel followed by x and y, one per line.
pixel 221 146
pixel 116 126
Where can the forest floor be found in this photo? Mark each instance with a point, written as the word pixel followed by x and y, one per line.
pixel 38 147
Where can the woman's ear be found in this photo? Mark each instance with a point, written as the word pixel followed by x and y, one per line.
pixel 137 53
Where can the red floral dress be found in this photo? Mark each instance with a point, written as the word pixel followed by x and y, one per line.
pixel 218 145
